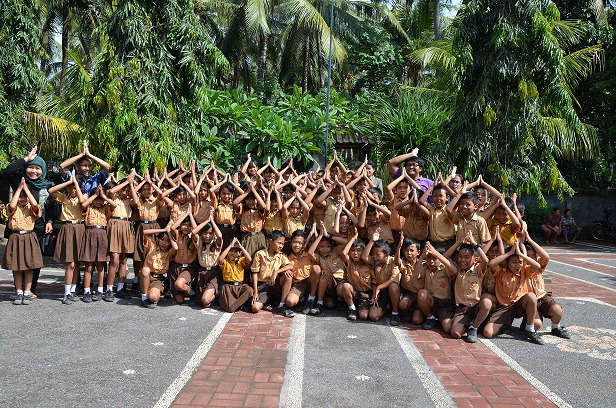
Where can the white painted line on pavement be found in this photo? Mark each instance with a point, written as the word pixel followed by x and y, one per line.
pixel 291 392
pixel 581 280
pixel 174 389
pixel 429 380
pixel 588 244
pixel 582 268
pixel 596 263
pixel 541 387
pixel 588 299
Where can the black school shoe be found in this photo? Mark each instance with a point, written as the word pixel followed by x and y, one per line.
pixel 318 309
pixel 534 337
pixel 308 306
pixel 123 294
pixel 561 332
pixel 471 335
pixel 87 297
pixel 66 300
pixel 97 296
pixel 27 299
pixel 395 320
pixel 352 315
pixel 109 296
pixel 148 304
pixel 286 312
pixel 429 324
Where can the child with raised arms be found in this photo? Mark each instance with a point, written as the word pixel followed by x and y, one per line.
pixel 266 266
pixel 156 266
pixel 208 240
pixel 412 280
pixel 234 293
pixel 356 288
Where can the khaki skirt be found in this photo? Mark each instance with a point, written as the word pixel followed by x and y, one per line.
pixel 253 242
pixel 120 236
pixel 232 297
pixel 94 246
pixel 209 279
pixel 68 243
pixel 142 242
pixel 23 252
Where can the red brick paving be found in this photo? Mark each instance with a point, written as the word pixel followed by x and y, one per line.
pixel 245 367
pixel 472 374
pixel 566 287
pixel 573 260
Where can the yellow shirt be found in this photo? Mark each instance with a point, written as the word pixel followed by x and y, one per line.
pixel 301 266
pixel 292 224
pixel 265 265
pixel 71 208
pixel 507 231
pixel 468 285
pixel 477 226
pixel 233 271
pixel 273 221
pixel 441 226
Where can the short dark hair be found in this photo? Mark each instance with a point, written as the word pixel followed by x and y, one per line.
pixel 300 234
pixel 383 245
pixel 415 159
pixel 371 209
pixel 467 247
pixel 555 209
pixel 358 243
pixel 82 159
pixel 509 203
pixel 276 234
pixel 439 187
pixel 440 248
pixel 376 190
pixel 370 163
pixel 407 242
pixel 229 187
pixel 470 196
pixel 404 181
pixel 522 208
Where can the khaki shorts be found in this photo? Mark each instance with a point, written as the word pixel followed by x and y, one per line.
pixel 443 308
pixel 505 314
pixel 266 292
pixel 544 304
pixel 300 288
pixel 157 282
pixel 465 314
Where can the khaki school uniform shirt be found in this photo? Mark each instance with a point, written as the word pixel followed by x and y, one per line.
pixel 387 271
pixel 23 218
pixel 331 265
pixel 158 260
pixel 123 208
pixel 225 214
pixel 536 284
pixel 359 276
pixel 208 253
pixel 71 208
pixel 415 225
pixel 203 210
pixel 233 271
pixel 177 212
pixel 148 208
pixel 331 208
pixel 187 251
pixel 441 226
pixel 396 219
pixel 301 266
pixel 477 226
pixel 438 283
pixel 251 221
pixel 510 287
pixel 468 285
pixel 97 216
pixel 292 224
pixel 385 233
pixel 488 283
pixel 265 265
pixel 273 221
pixel 411 277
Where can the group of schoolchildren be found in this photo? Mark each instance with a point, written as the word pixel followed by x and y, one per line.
pixel 446 252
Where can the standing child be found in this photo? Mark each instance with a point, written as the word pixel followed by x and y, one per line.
pixel 155 266
pixel 234 293
pixel 71 234
pixel 294 214
pixel 184 270
pixel 267 265
pixel 208 240
pixel 398 192
pixel 94 249
pixel 416 217
pixel 225 212
pixel 356 289
pixel 206 200
pixel 436 299
pixel 23 251
pixel 471 310
pixel 297 281
pixel 385 278
pixel 466 218
pixel 441 226
pixel 121 238
pixel 412 280
pixel 252 217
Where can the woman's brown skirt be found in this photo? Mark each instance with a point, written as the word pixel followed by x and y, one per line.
pixel 121 236
pixel 233 297
pixel 68 243
pixel 253 242
pixel 209 280
pixel 94 246
pixel 143 243
pixel 23 252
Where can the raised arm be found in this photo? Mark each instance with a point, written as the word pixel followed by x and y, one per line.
pixel 365 255
pixel 453 268
pixel 394 164
pixel 53 191
pixel 104 165
pixel 544 257
pixel 494 263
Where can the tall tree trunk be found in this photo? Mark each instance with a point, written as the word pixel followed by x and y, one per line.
pixel 262 57
pixel 236 76
pixel 437 20
pixel 65 31
pixel 305 66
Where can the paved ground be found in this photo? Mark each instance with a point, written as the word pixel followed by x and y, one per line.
pixel 120 355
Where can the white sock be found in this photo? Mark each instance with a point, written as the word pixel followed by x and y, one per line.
pixel 20 292
pixel 394 313
pixel 432 317
pixel 67 290
pixel 73 288
pixel 27 293
pixel 110 287
pixel 319 302
pixel 555 325
pixel 280 305
pixel 530 327
pixel 86 290
pixel 311 297
pixel 99 289
pixel 352 307
pixel 144 296
pixel 120 286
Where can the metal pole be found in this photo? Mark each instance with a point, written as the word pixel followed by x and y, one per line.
pixel 329 80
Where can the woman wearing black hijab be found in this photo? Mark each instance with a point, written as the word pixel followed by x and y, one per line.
pixel 34 170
